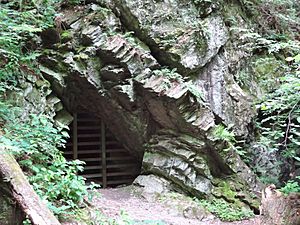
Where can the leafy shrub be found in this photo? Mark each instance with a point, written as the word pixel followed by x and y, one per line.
pixel 279 122
pixel 33 138
pixel 281 116
pixel 278 18
pixel 21 21
pixel 291 186
pixel 34 142
pixel 228 137
pixel 226 211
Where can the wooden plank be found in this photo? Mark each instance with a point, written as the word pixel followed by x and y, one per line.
pixel 93 159
pixel 112 143
pixel 82 152
pixel 116 150
pixel 117 158
pixel 93 175
pixel 87 135
pixel 102 152
pixel 103 149
pixel 88 127
pixel 129 165
pixel 92 167
pixel 116 174
pixel 23 193
pixel 89 143
pixel 109 166
pixel 75 146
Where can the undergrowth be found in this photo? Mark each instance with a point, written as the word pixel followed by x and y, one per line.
pixel 34 141
pixel 226 135
pixel 20 23
pixel 291 186
pixel 280 123
pixel 219 207
pixel 226 211
pixel 275 38
pixel 33 138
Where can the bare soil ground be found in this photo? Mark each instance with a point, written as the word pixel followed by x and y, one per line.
pixel 144 211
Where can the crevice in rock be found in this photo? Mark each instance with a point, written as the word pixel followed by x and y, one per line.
pixel 162 58
pixel 192 63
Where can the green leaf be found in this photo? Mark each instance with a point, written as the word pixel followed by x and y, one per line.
pixel 297 158
pixel 297 58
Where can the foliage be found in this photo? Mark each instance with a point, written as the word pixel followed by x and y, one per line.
pixel 20 21
pixel 27 222
pixel 281 116
pixel 34 141
pixel 224 134
pixel 279 18
pixel 73 2
pixel 220 207
pixel 291 186
pixel 33 138
pixel 203 4
pixel 277 39
pixel 262 73
pixel 194 90
pixel 170 75
pixel 226 211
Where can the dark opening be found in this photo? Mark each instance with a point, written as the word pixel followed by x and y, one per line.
pixel 108 162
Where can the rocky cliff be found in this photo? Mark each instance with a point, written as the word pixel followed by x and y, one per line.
pixel 163 77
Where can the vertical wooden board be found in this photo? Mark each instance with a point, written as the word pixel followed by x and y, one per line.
pixel 75 139
pixel 103 149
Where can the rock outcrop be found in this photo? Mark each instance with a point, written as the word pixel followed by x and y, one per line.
pixel 161 75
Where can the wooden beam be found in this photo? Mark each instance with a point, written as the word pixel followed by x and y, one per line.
pixel 103 150
pixel 23 193
pixel 75 139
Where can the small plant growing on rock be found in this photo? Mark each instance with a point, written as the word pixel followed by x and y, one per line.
pixel 224 134
pixel 226 211
pixel 291 186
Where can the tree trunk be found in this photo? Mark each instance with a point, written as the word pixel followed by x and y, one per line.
pixel 23 192
pixel 277 209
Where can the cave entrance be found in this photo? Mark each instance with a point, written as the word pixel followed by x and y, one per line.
pixel 107 160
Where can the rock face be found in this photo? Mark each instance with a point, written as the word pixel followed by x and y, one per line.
pixel 161 74
pixel 175 32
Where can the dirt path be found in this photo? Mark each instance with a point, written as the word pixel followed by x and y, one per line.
pixel 143 211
